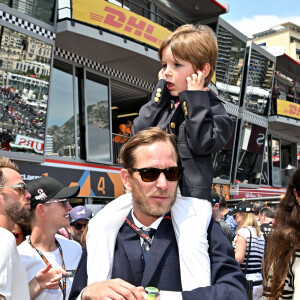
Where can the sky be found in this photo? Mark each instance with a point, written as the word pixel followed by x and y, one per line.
pixel 253 16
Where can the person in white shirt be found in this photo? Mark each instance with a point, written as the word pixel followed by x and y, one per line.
pixel 14 205
pixel 50 211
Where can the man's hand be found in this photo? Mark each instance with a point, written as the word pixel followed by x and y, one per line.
pixel 114 289
pixel 161 74
pixel 46 278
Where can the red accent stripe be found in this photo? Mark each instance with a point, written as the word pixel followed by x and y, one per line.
pixel 167 217
pixel 219 5
pixel 53 161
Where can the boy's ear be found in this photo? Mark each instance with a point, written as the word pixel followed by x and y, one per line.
pixel 206 68
pixel 125 176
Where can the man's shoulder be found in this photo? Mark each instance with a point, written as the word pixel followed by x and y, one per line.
pixel 68 245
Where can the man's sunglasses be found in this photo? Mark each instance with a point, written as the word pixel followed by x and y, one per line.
pixel 64 202
pixel 78 226
pixel 17 234
pixel 151 174
pixel 21 187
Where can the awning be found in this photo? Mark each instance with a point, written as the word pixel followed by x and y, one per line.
pixel 288 66
pixel 195 10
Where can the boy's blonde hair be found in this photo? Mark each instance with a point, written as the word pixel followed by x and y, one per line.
pixel 195 44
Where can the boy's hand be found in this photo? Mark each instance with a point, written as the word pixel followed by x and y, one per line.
pixel 161 74
pixel 195 82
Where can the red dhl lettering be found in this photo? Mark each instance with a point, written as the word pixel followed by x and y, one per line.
pixel 117 19
pixel 294 110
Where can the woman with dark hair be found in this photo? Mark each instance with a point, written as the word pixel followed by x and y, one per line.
pixel 282 266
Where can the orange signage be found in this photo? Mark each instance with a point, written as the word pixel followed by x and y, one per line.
pixel 289 109
pixel 118 19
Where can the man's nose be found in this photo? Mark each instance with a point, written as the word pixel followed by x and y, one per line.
pixel 162 181
pixel 69 207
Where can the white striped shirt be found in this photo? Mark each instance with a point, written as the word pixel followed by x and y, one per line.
pixel 256 250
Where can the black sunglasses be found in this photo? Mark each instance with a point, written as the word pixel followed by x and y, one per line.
pixel 78 226
pixel 17 234
pixel 151 174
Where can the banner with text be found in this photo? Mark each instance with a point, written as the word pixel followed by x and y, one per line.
pixel 121 20
pixel 289 109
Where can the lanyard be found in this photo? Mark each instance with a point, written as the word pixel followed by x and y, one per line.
pixel 62 287
pixel 141 232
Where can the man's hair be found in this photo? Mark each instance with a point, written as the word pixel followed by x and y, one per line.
pixel 195 44
pixel 257 206
pixel 223 202
pixel 268 212
pixel 5 162
pixel 144 138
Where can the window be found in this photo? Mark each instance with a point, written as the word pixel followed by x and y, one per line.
pixel 251 150
pixel 61 124
pixel 97 118
pixel 229 65
pixel 223 159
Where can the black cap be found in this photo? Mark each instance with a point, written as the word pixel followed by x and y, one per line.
pixel 45 188
pixel 215 198
pixel 244 206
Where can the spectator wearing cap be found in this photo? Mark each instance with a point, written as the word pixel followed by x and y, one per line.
pixel 249 246
pixel 217 216
pixel 225 215
pixel 50 211
pixel 79 218
pixel 257 206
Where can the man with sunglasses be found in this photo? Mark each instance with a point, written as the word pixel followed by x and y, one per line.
pixel 143 263
pixel 79 218
pixel 50 209
pixel 14 207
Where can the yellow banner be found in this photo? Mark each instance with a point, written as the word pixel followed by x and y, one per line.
pixel 120 20
pixel 289 109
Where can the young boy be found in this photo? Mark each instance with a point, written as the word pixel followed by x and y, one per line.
pixel 183 105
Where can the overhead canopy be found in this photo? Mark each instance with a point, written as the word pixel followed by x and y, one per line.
pixel 195 10
pixel 288 66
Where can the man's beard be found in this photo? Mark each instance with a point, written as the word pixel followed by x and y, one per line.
pixel 16 211
pixel 156 210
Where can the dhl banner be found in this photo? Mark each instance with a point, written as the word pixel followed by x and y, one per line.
pixel 289 109
pixel 110 16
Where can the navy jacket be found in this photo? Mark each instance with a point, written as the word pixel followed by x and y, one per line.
pixel 162 269
pixel 202 126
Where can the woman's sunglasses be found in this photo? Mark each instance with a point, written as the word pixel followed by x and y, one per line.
pixel 17 234
pixel 151 174
pixel 78 226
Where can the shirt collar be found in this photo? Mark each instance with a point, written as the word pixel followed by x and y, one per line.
pixel 154 225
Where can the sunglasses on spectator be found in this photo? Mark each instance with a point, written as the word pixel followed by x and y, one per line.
pixel 78 226
pixel 20 187
pixel 17 234
pixel 64 202
pixel 151 174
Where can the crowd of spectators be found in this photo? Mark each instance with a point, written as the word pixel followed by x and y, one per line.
pixel 18 117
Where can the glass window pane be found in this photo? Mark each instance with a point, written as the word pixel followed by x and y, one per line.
pixel 24 81
pixel 251 152
pixel 276 169
pixel 223 159
pixel 98 127
pixel 259 83
pixel 229 65
pixel 61 125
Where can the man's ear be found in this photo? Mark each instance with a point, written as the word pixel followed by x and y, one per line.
pixel 126 178
pixel 41 210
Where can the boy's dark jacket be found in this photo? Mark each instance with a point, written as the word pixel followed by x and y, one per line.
pixel 202 127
